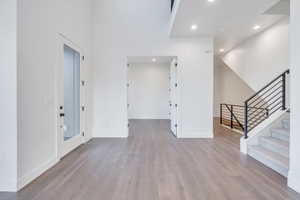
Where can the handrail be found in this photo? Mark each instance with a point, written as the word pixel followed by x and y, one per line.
pixel 266 97
pixel 275 79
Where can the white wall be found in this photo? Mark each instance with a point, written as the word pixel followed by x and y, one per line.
pixel 294 173
pixel 229 87
pixel 148 92
pixel 140 28
pixel 8 91
pixel 261 58
pixel 39 23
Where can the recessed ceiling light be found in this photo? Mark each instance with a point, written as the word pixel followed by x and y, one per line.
pixel 210 1
pixel 222 50
pixel 256 27
pixel 194 27
pixel 153 59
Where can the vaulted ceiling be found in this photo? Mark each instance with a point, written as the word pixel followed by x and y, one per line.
pixel 229 21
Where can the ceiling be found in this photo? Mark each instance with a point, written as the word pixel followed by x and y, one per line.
pixel 281 8
pixel 229 21
pixel 149 59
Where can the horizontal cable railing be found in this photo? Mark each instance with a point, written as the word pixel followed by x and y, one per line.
pixel 233 115
pixel 269 100
pixel 230 115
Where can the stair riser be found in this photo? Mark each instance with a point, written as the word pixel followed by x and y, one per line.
pixel 285 124
pixel 280 136
pixel 284 151
pixel 283 170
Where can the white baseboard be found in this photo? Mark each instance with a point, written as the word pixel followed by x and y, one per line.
pixel 110 136
pixel 35 173
pixel 196 134
pixel 243 145
pixel 147 118
pixel 110 133
pixel 9 186
pixel 294 181
pixel 87 139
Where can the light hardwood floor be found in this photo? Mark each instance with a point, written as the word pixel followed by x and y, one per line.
pixel 153 165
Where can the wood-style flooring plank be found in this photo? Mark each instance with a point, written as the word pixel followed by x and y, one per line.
pixel 151 164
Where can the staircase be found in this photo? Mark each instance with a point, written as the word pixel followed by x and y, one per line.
pixel 265 120
pixel 273 150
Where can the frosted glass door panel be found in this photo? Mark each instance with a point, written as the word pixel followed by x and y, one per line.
pixel 71 93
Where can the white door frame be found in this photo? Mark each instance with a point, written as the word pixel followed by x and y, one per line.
pixel 177 96
pixel 65 147
pixel 127 96
pixel 174 101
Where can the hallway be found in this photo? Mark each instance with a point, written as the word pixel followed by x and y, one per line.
pixel 153 165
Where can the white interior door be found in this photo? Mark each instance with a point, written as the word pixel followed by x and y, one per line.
pixel 70 99
pixel 173 94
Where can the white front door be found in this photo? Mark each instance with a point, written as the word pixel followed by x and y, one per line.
pixel 70 109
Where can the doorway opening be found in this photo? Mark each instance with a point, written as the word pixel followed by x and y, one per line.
pixel 152 90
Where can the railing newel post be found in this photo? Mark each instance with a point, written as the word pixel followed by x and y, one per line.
pixel 231 116
pixel 221 114
pixel 284 91
pixel 246 120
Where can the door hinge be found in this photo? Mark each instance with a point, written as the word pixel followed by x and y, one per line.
pixel 83 133
pixel 176 64
pixel 128 125
pixel 176 105
pixel 176 84
pixel 83 108
pixel 83 58
pixel 176 125
pixel 82 83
